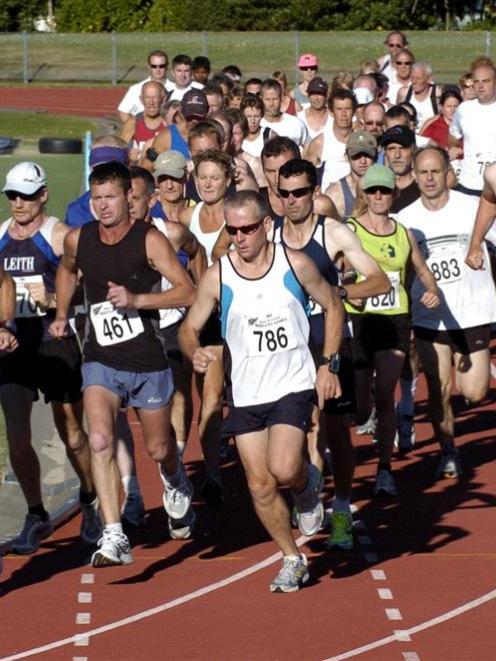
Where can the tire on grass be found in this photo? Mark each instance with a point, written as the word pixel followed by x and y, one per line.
pixel 60 145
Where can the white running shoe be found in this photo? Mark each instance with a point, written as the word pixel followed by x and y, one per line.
pixel 133 510
pixel 182 528
pixel 369 426
pixel 309 511
pixel 33 531
pixel 449 468
pixel 406 433
pixel 177 500
pixel 292 575
pixel 114 549
pixel 384 484
pixel 91 525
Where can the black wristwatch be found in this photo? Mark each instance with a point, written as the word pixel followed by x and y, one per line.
pixel 10 325
pixel 151 154
pixel 342 293
pixel 333 362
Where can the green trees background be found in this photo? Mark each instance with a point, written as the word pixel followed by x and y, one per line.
pixel 194 15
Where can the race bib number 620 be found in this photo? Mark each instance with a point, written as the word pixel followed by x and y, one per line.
pixel 113 326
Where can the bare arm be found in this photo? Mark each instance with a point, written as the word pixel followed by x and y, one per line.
pixel 127 130
pixel 185 216
pixel 327 383
pixel 207 297
pixel 162 142
pixel 8 341
pixel 486 213
pixel 324 206
pixel 181 238
pixel 313 152
pixel 243 176
pixel 65 283
pixel 222 245
pixel 430 298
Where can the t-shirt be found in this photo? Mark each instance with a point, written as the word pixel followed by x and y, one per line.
pixel 131 103
pixel 476 124
pixel 468 297
pixel 289 127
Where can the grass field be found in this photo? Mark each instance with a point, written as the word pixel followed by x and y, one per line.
pixel 89 57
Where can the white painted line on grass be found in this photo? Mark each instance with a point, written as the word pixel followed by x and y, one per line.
pixel 378 574
pixel 384 593
pixel 393 614
pixel 428 624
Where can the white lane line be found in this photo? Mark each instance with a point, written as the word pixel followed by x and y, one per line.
pixel 402 636
pixel 384 593
pixel 79 658
pixel 84 597
pixel 77 638
pixel 411 656
pixel 378 574
pixel 493 370
pixel 87 578
pixel 449 615
pixel 83 618
pixel 393 614
pixel 81 640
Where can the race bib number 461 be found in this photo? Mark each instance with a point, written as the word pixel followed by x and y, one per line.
pixel 270 333
pixel 113 326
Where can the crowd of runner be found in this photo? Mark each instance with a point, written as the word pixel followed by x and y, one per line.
pixel 294 254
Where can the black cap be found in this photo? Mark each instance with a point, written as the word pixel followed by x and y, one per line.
pixel 402 135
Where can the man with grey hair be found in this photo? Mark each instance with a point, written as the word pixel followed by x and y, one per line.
pixel 422 93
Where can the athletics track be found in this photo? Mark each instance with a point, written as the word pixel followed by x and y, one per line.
pixel 420 583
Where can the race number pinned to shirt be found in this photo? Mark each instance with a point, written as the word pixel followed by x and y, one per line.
pixel 389 301
pixel 447 263
pixel 270 332
pixel 113 326
pixel 25 305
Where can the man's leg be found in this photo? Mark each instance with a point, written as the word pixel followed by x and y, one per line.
pixel 17 403
pixel 133 511
pixel 182 402
pixel 472 372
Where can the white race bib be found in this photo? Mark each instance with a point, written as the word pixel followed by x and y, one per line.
pixel 389 301
pixel 25 305
pixel 270 333
pixel 447 264
pixel 113 326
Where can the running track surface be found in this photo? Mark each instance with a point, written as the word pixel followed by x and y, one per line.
pixel 419 584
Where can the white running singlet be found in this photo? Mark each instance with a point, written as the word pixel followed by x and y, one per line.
pixel 207 239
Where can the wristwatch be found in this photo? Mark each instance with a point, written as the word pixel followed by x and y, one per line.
pixel 10 325
pixel 151 154
pixel 342 293
pixel 333 362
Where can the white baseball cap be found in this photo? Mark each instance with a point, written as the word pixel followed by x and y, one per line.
pixel 25 177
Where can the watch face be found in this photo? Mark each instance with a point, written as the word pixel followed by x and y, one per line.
pixel 342 293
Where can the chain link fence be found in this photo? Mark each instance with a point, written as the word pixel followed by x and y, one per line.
pixel 119 58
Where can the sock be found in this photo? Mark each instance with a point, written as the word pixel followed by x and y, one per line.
pixel 40 511
pixel 293 557
pixel 406 405
pixel 113 527
pixel 130 485
pixel 170 480
pixel 86 497
pixel 341 505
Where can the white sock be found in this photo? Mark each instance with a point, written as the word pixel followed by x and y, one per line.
pixel 113 527
pixel 406 405
pixel 131 485
pixel 341 505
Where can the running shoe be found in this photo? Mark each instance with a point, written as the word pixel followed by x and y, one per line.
pixel 212 491
pixel 33 531
pixel 341 536
pixel 309 511
pixel 91 525
pixel 384 484
pixel 449 467
pixel 406 433
pixel 182 528
pixel 369 426
pixel 293 574
pixel 114 549
pixel 177 500
pixel 133 510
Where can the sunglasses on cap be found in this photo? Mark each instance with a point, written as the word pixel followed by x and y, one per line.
pixel 158 66
pixel 244 229
pixel 13 195
pixel 297 192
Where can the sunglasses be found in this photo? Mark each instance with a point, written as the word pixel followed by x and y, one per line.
pixel 308 68
pixel 406 64
pixel 297 192
pixel 13 195
pixel 158 66
pixel 382 189
pixel 395 45
pixel 244 229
